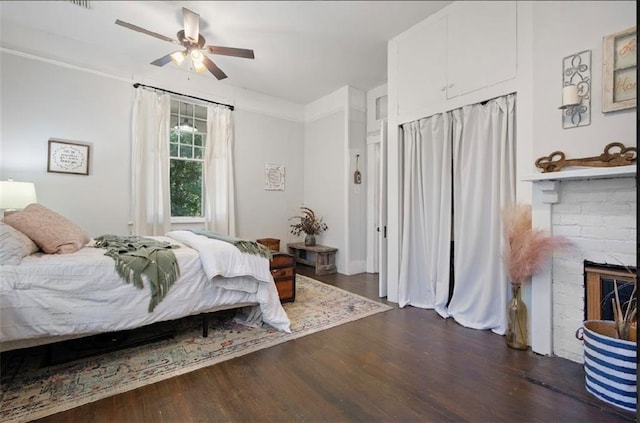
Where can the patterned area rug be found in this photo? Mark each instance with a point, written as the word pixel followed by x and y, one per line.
pixel 31 389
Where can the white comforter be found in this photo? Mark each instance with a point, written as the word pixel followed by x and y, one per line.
pixel 51 295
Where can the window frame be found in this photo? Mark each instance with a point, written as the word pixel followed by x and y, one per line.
pixel 197 118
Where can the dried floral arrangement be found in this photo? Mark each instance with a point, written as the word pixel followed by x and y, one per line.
pixel 527 249
pixel 307 223
pixel 625 314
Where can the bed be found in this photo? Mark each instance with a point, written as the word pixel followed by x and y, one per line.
pixel 46 298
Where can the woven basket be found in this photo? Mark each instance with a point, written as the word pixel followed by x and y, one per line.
pixel 610 365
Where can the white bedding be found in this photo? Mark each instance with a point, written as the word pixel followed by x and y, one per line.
pixel 81 294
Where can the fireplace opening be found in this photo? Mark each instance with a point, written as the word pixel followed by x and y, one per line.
pixel 599 281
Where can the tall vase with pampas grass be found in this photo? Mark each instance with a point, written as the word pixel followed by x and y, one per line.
pixel 526 253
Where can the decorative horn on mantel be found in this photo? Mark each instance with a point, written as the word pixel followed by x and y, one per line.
pixel 615 154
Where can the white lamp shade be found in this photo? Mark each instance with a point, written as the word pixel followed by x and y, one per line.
pixel 16 195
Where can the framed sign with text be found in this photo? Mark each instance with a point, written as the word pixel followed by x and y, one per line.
pixel 68 157
pixel 274 177
pixel 619 63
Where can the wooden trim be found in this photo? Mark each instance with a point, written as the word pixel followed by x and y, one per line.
pixel 594 293
pixel 593 287
pixel 609 272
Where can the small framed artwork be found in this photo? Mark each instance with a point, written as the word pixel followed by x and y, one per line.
pixel 619 70
pixel 68 157
pixel 274 177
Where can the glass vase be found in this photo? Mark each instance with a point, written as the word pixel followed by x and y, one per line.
pixel 310 240
pixel 517 320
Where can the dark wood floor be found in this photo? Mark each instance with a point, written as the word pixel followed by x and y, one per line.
pixel 404 365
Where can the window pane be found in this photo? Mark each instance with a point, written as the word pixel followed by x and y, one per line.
pixel 173 136
pixel 187 138
pixel 197 152
pixel 186 151
pixel 173 150
pixel 201 125
pixel 186 188
pixel 197 139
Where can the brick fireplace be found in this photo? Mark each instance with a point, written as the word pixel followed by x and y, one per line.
pixel 596 209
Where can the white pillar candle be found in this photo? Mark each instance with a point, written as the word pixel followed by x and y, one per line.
pixel 570 95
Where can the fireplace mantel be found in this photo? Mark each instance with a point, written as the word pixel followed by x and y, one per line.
pixel 584 173
pixel 546 188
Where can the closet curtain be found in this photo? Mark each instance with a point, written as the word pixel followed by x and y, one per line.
pixel 484 181
pixel 426 229
pixel 218 172
pixel 480 140
pixel 150 202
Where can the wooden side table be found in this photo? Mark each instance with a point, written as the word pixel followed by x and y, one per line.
pixel 283 270
pixel 325 257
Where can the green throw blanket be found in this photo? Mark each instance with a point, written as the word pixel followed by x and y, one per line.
pixel 136 256
pixel 250 247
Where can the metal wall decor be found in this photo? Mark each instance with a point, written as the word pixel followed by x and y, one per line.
pixel 576 71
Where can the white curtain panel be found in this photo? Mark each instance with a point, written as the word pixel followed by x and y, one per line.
pixel 426 229
pixel 484 182
pixel 218 172
pixel 151 204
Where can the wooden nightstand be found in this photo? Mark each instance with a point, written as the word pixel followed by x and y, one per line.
pixel 283 270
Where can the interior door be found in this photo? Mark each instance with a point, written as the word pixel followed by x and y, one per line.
pixel 382 204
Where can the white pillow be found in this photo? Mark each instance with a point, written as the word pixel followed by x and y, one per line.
pixel 14 245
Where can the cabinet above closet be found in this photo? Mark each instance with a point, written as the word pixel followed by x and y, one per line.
pixel 470 46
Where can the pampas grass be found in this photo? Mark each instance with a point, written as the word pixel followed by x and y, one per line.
pixel 527 249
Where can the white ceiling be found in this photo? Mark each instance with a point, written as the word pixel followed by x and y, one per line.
pixel 304 49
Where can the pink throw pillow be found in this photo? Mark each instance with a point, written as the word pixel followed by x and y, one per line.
pixel 51 231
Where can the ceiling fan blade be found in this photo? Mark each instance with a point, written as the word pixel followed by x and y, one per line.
pixel 191 24
pixel 230 51
pixel 162 61
pixel 215 70
pixel 145 31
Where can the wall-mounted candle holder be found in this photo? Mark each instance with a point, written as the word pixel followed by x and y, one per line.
pixel 576 90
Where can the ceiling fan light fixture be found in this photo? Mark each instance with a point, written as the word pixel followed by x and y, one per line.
pixel 199 66
pixel 197 56
pixel 194 45
pixel 178 57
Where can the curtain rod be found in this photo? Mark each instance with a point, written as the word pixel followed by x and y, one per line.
pixel 137 84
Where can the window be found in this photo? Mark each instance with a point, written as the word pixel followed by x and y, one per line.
pixel 186 159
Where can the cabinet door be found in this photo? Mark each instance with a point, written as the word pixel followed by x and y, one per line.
pixel 422 68
pixel 481 45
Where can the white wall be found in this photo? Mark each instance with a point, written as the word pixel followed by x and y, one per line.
pixel 42 99
pixel 259 140
pixel 324 175
pixel 357 193
pixel 334 135
pixel 562 28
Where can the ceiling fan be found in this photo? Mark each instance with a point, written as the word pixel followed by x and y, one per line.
pixel 194 45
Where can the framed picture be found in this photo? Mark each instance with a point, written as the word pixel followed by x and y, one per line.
pixel 274 177
pixel 619 70
pixel 68 157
